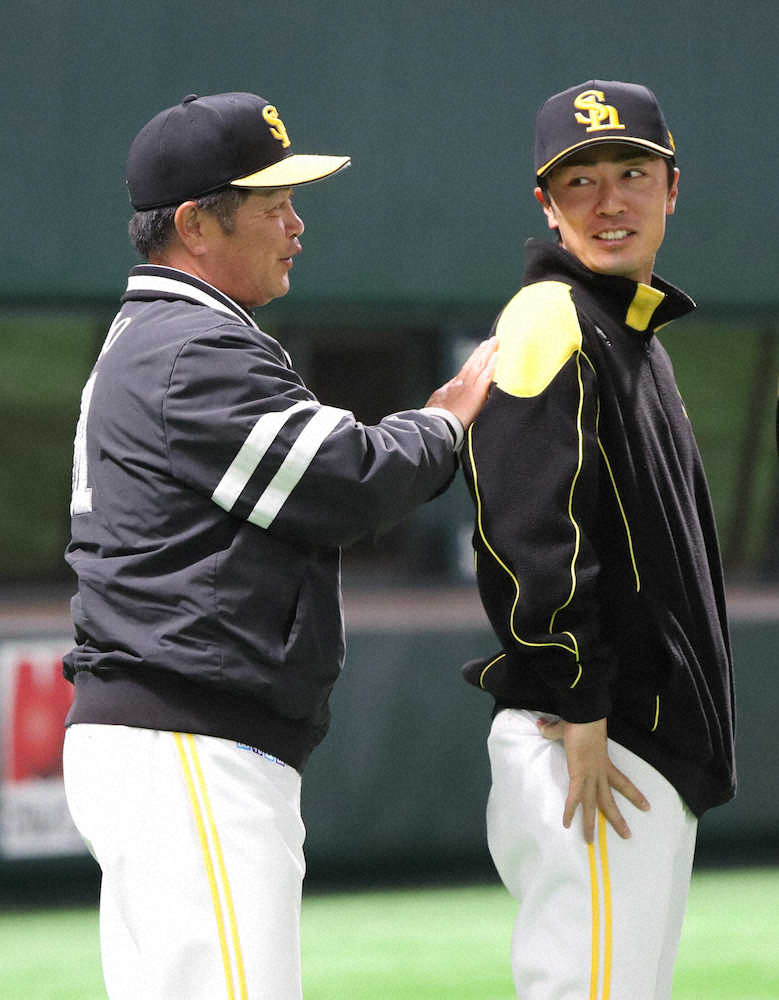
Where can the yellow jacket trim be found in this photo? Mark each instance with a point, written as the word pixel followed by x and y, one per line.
pixel 643 307
pixel 576 529
pixel 574 649
pixel 624 515
pixel 614 487
pixel 537 332
pixel 490 664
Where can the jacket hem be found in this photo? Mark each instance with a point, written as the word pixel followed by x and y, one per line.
pixel 152 700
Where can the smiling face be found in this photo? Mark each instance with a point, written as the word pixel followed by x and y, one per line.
pixel 609 203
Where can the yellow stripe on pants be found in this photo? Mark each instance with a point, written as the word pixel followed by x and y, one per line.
pixel 607 930
pixel 196 782
pixel 607 913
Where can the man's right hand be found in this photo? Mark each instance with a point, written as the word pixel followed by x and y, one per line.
pixel 464 395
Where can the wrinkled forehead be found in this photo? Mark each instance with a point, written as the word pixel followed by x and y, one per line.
pixel 268 193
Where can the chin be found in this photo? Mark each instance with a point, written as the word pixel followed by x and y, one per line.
pixel 263 298
pixel 616 268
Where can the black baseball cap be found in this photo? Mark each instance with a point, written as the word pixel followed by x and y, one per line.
pixel 596 112
pixel 203 144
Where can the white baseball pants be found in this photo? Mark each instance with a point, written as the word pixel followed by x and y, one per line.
pixel 200 842
pixel 595 922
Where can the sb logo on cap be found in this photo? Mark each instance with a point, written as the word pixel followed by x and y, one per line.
pixel 277 129
pixel 599 114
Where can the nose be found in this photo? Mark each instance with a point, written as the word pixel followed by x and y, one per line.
pixel 294 223
pixel 610 201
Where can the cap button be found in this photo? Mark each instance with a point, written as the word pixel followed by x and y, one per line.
pixel 189 98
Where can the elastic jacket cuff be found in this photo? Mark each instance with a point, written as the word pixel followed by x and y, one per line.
pixel 586 706
pixel 455 425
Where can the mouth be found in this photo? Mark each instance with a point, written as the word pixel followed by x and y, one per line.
pixel 613 237
pixel 289 260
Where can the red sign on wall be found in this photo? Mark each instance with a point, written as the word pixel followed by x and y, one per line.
pixel 40 699
pixel 34 700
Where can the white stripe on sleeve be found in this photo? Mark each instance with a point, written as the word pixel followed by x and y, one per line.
pixel 295 464
pixel 252 451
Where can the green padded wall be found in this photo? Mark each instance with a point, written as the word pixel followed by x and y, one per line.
pixel 403 776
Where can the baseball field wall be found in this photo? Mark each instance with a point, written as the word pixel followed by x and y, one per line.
pixel 400 784
pixel 403 776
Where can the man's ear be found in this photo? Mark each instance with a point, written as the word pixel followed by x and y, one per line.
pixel 673 194
pixel 188 221
pixel 546 203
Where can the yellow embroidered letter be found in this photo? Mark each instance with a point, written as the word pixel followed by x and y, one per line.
pixel 271 116
pixel 599 114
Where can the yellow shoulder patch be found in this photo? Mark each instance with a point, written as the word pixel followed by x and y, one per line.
pixel 538 332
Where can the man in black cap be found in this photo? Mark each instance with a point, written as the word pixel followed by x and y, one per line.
pixel 598 566
pixel 211 495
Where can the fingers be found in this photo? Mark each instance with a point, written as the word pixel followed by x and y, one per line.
pixel 592 796
pixel 465 394
pixel 625 786
pixel 480 366
pixel 582 795
pixel 592 800
pixel 609 809
pixel 487 373
pixel 572 803
pixel 593 776
pixel 482 357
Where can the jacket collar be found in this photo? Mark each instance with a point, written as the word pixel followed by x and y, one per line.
pixel 645 308
pixel 153 281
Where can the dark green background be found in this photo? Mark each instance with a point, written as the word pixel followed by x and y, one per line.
pixel 435 102
pixel 410 253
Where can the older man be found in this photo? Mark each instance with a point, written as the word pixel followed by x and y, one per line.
pixel 211 495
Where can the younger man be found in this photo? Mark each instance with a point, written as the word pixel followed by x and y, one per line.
pixel 598 566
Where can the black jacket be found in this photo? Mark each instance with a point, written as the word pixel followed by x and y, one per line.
pixel 212 492
pixel 597 554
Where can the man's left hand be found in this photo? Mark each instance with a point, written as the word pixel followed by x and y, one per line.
pixel 592 776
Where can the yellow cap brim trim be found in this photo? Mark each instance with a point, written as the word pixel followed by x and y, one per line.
pixel 300 168
pixel 622 139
